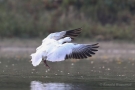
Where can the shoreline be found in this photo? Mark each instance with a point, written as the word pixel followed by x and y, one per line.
pixel 24 47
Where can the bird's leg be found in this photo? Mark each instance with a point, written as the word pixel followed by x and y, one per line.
pixel 44 60
pixel 46 64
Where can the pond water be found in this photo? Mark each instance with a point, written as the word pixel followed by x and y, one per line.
pixel 91 74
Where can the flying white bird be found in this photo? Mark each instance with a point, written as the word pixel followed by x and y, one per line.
pixel 57 47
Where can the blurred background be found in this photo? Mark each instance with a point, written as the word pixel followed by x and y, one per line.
pixel 111 23
pixel 100 19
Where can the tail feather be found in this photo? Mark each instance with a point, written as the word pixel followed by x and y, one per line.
pixel 36 58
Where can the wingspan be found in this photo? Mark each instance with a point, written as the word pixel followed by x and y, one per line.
pixel 68 33
pixel 70 50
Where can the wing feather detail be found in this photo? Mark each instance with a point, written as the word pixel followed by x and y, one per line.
pixel 68 33
pixel 72 33
pixel 72 51
pixel 83 51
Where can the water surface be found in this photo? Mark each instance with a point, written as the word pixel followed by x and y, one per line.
pixel 91 74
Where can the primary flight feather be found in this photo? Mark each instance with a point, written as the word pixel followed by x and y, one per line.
pixel 57 47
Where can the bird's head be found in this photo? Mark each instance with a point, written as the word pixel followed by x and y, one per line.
pixel 67 39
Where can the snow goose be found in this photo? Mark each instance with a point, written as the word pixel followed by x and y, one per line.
pixel 57 47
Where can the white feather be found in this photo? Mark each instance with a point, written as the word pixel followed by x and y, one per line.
pixel 48 49
pixel 59 52
pixel 36 58
pixel 55 36
pixel 55 48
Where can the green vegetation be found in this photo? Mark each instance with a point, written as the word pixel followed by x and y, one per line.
pixel 100 19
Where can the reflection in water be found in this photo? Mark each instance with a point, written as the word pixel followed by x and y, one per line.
pixel 36 85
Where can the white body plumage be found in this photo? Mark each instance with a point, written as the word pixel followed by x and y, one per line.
pixel 56 47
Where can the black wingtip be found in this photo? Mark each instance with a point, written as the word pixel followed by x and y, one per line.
pixel 73 33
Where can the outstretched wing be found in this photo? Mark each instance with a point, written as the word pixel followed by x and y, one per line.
pixel 68 33
pixel 75 51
